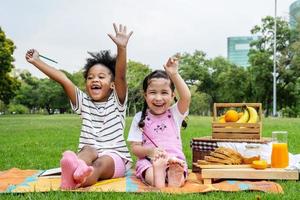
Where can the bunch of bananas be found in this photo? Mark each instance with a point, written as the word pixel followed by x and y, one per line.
pixel 249 115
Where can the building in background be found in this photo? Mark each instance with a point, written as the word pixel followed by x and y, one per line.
pixel 294 14
pixel 238 49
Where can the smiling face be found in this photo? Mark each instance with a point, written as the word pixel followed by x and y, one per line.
pixel 99 83
pixel 159 95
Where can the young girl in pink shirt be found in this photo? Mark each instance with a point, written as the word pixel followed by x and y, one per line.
pixel 155 132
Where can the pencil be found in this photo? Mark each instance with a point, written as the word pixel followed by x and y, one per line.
pixel 48 58
pixel 149 138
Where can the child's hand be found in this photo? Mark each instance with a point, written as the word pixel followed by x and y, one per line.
pixel 155 152
pixel 121 38
pixel 171 67
pixel 32 55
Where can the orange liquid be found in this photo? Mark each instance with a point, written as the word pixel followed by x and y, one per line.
pixel 280 155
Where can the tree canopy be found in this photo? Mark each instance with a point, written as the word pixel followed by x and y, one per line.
pixel 8 83
pixel 287 65
pixel 211 80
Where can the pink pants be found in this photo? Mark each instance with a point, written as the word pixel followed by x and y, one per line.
pixel 120 167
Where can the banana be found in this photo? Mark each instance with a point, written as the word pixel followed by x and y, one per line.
pixel 222 119
pixel 244 118
pixel 240 114
pixel 253 116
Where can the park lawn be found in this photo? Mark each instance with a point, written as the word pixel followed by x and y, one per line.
pixel 37 141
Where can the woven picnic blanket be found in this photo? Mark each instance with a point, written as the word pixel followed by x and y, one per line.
pixel 19 181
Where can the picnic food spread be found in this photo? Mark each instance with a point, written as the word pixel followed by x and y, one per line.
pixel 236 147
pixel 226 156
pixel 237 121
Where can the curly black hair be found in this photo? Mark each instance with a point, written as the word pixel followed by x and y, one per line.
pixel 104 58
pixel 156 74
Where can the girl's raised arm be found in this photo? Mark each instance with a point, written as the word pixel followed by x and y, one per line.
pixel 32 56
pixel 184 93
pixel 121 39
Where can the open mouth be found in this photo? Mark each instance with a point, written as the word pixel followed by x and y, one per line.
pixel 159 105
pixel 96 89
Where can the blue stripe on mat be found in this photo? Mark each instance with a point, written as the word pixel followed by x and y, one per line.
pixel 130 185
pixel 26 182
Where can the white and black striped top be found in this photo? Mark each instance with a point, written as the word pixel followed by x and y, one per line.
pixel 103 124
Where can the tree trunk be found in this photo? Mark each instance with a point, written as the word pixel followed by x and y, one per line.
pixel 49 110
pixel 62 110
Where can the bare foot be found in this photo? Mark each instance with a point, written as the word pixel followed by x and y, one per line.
pixel 82 172
pixel 68 164
pixel 176 172
pixel 159 169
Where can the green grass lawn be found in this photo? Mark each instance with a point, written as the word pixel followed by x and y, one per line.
pixel 37 141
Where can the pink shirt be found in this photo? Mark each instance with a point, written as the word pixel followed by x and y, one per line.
pixel 163 129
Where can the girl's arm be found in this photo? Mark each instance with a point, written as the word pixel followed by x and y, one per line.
pixel 121 40
pixel 32 56
pixel 183 91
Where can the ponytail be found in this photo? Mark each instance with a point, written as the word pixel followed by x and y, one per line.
pixel 184 122
pixel 144 114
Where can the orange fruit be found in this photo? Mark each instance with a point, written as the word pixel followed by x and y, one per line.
pixel 231 116
pixel 259 164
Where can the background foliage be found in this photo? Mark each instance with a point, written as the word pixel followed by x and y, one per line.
pixel 210 79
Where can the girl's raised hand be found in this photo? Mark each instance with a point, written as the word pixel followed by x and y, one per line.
pixel 171 67
pixel 121 38
pixel 32 55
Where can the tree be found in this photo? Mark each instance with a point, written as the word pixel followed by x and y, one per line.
pixel 194 70
pixel 193 67
pixel 294 73
pixel 78 79
pixel 261 60
pixel 199 102
pixel 42 93
pixel 8 84
pixel 27 94
pixel 221 80
pixel 230 80
pixel 135 75
pixel 51 96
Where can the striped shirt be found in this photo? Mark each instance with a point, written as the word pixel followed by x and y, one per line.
pixel 103 124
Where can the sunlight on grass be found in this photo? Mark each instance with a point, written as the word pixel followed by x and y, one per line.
pixel 37 141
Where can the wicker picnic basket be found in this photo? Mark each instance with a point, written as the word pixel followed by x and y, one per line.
pixel 232 130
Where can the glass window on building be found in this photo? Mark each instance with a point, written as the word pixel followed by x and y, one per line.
pixel 238 49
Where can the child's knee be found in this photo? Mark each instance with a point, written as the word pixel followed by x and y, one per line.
pixel 89 150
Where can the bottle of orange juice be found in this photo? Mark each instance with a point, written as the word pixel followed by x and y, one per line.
pixel 280 153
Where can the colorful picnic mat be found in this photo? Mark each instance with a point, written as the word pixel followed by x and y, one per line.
pixel 19 181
